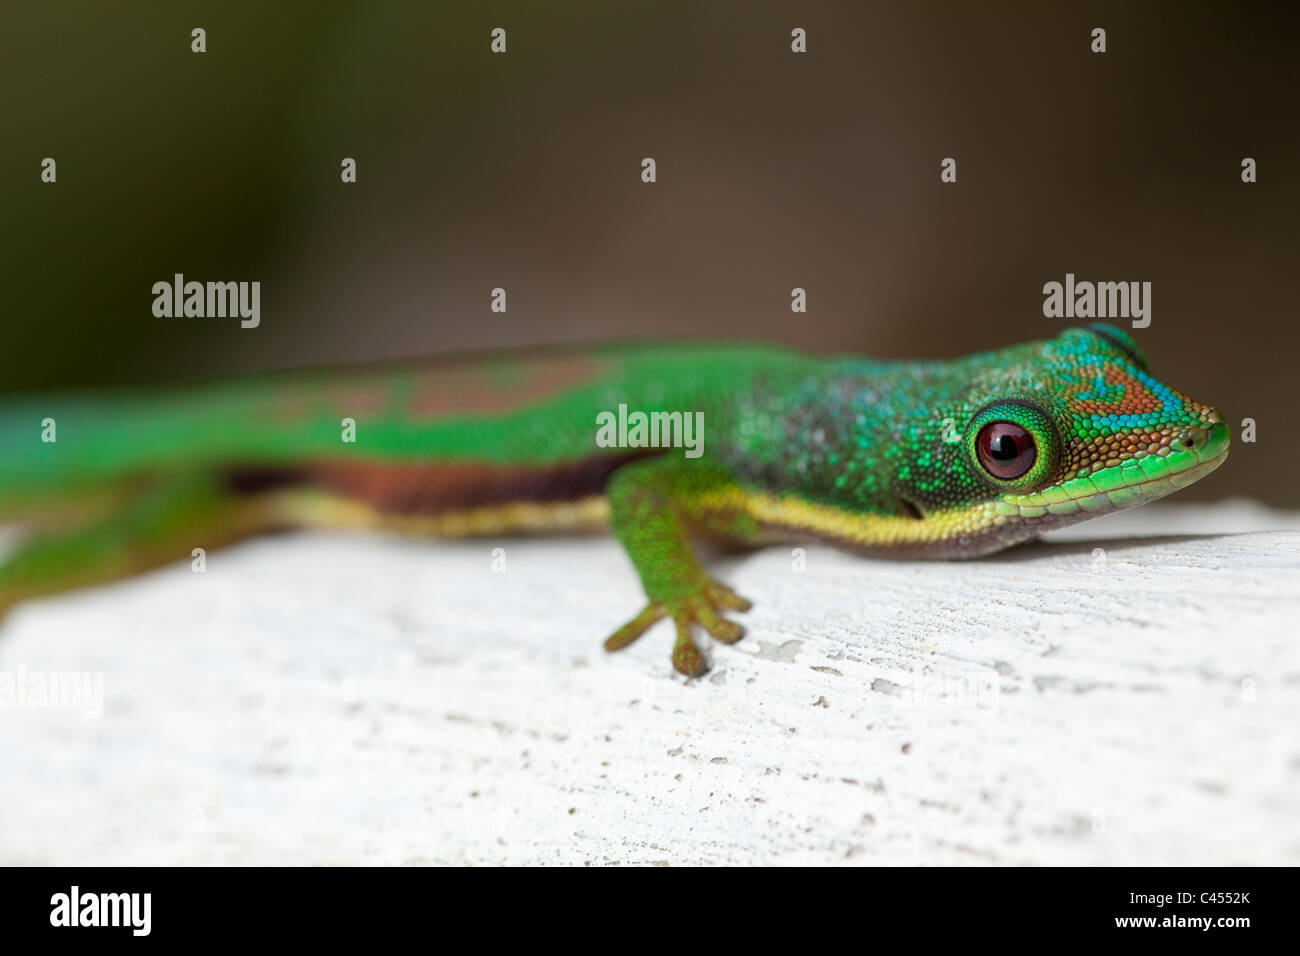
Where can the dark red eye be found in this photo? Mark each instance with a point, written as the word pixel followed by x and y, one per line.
pixel 1006 450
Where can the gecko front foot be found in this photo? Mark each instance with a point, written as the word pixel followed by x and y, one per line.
pixel 703 608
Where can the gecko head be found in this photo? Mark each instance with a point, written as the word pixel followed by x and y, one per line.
pixel 1076 427
pixel 965 457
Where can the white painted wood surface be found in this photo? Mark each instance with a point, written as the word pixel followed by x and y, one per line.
pixel 354 699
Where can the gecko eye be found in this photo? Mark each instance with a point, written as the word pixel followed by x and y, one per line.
pixel 1005 450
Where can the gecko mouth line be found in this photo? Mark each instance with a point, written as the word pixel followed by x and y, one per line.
pixel 1122 497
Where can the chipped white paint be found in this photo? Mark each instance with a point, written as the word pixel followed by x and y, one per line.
pixel 334 699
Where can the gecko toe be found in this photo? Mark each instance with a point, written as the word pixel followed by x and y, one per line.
pixel 687 657
pixel 634 628
pixel 719 628
pixel 723 596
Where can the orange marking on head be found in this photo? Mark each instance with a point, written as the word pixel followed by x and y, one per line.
pixel 1137 399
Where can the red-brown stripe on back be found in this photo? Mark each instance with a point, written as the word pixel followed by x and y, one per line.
pixel 441 387
pixel 500 385
pixel 413 488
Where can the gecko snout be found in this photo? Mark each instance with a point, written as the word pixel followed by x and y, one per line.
pixel 1211 429
pixel 1207 439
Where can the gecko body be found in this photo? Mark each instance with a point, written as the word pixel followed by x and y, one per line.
pixel 930 459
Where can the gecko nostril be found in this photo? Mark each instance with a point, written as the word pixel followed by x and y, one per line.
pixel 1193 437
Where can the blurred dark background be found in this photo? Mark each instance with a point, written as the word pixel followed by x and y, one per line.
pixel 775 170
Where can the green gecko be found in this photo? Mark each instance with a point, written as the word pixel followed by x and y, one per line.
pixel 942 459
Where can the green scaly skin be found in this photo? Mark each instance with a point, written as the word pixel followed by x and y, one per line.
pixel 876 456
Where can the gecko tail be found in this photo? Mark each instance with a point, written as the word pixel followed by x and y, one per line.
pixel 153 522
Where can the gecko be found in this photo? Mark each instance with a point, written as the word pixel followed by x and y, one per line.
pixel 944 459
